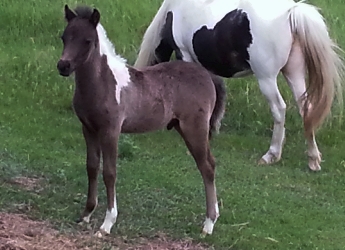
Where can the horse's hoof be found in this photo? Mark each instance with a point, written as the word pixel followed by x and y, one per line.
pixel 314 162
pixel 269 158
pixel 262 162
pixel 314 166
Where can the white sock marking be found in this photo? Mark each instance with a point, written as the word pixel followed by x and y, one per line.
pixel 110 218
pixel 208 226
pixel 217 210
pixel 116 63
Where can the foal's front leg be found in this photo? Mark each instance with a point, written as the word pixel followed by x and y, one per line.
pixel 109 152
pixel 92 167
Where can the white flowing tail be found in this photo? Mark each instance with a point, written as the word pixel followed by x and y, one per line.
pixel 152 37
pixel 324 65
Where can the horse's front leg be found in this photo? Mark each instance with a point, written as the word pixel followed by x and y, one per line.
pixel 109 143
pixel 92 167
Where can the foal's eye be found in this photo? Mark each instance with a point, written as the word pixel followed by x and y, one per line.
pixel 88 41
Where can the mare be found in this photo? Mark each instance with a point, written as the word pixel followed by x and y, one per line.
pixel 112 97
pixel 234 38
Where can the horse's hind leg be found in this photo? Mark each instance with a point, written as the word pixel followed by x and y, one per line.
pixel 92 166
pixel 163 52
pixel 294 73
pixel 196 139
pixel 269 88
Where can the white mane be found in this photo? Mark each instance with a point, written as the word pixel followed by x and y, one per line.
pixel 116 63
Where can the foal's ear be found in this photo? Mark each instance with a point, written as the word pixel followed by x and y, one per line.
pixel 69 15
pixel 95 16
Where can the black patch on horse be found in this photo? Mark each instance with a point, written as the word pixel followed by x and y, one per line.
pixel 224 49
pixel 167 45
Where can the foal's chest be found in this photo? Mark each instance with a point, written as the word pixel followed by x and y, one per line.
pixel 93 113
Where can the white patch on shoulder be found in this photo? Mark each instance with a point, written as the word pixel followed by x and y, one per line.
pixel 116 63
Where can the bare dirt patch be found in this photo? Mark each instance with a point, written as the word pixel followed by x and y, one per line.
pixel 27 183
pixel 18 232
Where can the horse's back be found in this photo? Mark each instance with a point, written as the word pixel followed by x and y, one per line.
pixel 231 38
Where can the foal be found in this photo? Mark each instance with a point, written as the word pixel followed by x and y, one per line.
pixel 112 98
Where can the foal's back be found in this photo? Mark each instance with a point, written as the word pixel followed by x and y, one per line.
pixel 166 91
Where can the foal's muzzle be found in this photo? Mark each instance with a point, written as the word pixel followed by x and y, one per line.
pixel 64 67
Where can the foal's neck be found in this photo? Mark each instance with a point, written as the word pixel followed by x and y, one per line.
pixel 89 83
pixel 90 68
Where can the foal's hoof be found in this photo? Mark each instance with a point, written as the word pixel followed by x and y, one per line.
pixel 208 227
pixel 79 221
pixel 83 220
pixel 101 234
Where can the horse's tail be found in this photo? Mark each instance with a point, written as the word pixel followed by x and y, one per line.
pixel 324 65
pixel 152 37
pixel 219 108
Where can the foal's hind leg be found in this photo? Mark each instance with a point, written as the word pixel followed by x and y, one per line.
pixel 269 88
pixel 196 139
pixel 294 73
pixel 92 166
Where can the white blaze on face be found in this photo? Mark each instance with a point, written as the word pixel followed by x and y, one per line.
pixel 116 63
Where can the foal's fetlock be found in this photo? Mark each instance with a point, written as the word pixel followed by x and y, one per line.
pixel 83 220
pixel 208 227
pixel 88 211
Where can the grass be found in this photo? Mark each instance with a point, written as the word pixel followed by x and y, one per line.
pixel 283 206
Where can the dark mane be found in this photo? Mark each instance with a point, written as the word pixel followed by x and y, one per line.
pixel 83 11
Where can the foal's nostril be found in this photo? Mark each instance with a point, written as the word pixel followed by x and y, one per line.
pixel 63 65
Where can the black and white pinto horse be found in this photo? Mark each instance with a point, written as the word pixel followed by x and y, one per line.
pixel 234 38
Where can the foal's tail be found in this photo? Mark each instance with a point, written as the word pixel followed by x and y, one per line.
pixel 324 65
pixel 151 38
pixel 219 108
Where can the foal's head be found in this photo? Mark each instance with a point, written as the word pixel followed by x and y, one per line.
pixel 79 38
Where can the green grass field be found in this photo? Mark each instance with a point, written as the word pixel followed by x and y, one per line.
pixel 283 206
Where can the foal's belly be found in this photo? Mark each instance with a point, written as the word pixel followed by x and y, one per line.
pixel 143 124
